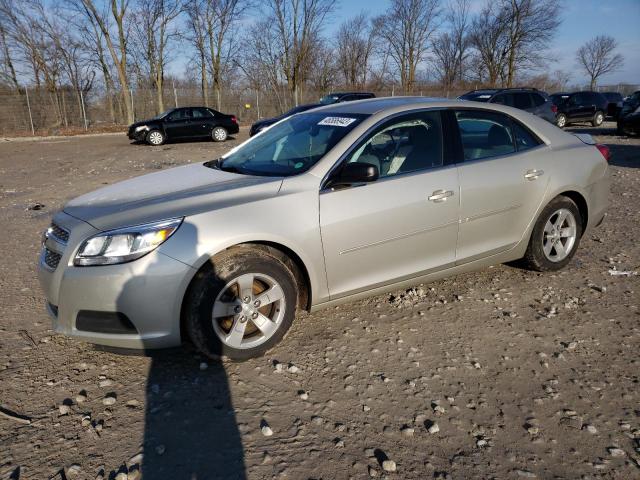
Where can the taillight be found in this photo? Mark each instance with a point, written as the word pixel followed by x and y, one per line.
pixel 234 119
pixel 604 150
pixel 554 108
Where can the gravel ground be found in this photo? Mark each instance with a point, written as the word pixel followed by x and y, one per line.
pixel 502 373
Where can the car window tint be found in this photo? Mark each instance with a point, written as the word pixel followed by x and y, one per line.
pixel 201 113
pixel 484 134
pixel 521 100
pixel 524 138
pixel 405 144
pixel 180 114
pixel 503 99
pixel 537 99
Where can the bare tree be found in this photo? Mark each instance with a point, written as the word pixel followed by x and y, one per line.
pixel 531 24
pixel 597 57
pixel 489 39
pixel 7 68
pixel 153 27
pixel 197 37
pixel 407 27
pixel 354 50
pixel 118 51
pixel 295 26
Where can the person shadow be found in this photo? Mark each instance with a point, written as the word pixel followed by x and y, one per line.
pixel 190 428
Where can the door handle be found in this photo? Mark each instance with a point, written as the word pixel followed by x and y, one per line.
pixel 440 196
pixel 533 174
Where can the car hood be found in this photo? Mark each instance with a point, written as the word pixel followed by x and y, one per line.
pixel 175 192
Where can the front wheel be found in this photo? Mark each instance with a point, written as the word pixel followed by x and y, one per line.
pixel 598 118
pixel 241 304
pixel 561 120
pixel 155 137
pixel 555 236
pixel 219 134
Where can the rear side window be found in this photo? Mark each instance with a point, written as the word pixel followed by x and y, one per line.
pixel 524 138
pixel 484 134
pixel 521 100
pixel 201 113
pixel 503 99
pixel 537 99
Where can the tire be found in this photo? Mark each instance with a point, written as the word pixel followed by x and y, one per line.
pixel 155 137
pixel 598 118
pixel 541 255
pixel 217 285
pixel 219 134
pixel 561 120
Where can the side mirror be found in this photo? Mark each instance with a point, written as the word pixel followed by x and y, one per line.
pixel 356 172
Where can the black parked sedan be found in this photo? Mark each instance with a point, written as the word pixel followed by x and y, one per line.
pixel 267 122
pixel 187 122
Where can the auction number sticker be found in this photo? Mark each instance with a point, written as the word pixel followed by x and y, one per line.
pixel 337 121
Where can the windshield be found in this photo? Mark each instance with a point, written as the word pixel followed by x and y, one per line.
pixel 291 146
pixel 163 114
pixel 329 99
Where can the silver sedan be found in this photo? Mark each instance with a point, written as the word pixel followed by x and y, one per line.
pixel 327 206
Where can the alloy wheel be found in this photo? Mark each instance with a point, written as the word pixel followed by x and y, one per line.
pixel 219 134
pixel 155 138
pixel 248 310
pixel 559 236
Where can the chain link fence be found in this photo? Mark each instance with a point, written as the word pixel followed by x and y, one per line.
pixel 38 111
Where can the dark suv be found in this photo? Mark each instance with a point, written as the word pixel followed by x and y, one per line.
pixel 629 117
pixel 614 104
pixel 530 99
pixel 581 107
pixel 187 122
pixel 345 97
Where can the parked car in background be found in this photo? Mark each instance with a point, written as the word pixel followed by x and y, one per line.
pixel 325 207
pixel 558 98
pixel 184 122
pixel 582 107
pixel 267 122
pixel 339 97
pixel 629 116
pixel 614 104
pixel 531 100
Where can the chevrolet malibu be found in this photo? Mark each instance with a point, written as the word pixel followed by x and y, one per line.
pixel 328 206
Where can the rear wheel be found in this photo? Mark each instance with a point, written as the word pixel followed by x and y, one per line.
pixel 561 120
pixel 598 118
pixel 219 134
pixel 555 236
pixel 242 304
pixel 155 137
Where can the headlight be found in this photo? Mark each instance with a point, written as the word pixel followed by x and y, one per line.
pixel 142 127
pixel 125 244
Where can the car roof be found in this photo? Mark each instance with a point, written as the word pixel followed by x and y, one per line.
pixel 370 106
pixel 349 93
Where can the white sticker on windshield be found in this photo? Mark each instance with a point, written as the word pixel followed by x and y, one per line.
pixel 337 121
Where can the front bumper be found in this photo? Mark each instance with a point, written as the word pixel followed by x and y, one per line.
pixel 138 136
pixel 147 291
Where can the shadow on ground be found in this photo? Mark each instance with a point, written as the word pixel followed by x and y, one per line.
pixel 190 423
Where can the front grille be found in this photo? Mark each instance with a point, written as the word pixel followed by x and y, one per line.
pixel 51 258
pixel 59 232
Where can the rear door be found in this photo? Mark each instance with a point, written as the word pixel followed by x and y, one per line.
pixel 503 176
pixel 202 122
pixel 402 225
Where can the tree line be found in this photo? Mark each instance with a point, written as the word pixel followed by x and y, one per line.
pixel 281 47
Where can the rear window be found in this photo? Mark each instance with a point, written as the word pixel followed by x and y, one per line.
pixel 291 146
pixel 522 100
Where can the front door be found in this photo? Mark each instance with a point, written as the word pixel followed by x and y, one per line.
pixel 403 224
pixel 178 123
pixel 503 178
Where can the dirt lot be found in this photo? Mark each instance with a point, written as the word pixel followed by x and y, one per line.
pixel 503 373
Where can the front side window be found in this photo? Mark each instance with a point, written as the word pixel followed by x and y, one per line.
pixel 405 144
pixel 503 99
pixel 484 134
pixel 178 115
pixel 291 146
